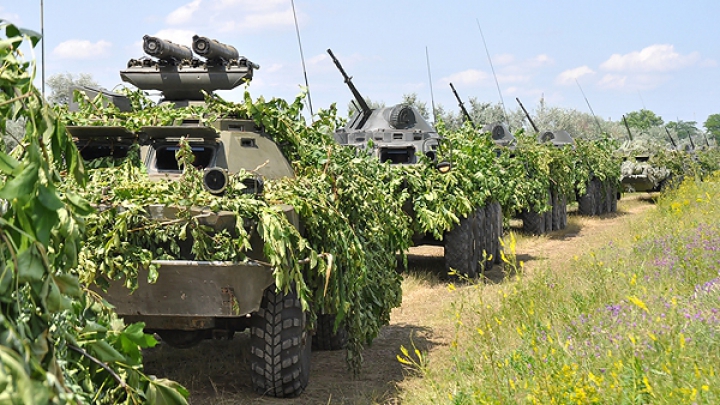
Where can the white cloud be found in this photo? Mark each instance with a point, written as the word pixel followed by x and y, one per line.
pixel 274 67
pixel 318 59
pixel 264 20
pixel 178 36
pixel 503 78
pixel 633 82
pixel 251 5
pixel 183 14
pixel 613 81
pixel 503 59
pixel 541 60
pixel 10 17
pixel 467 77
pixel 81 49
pixel 654 58
pixel 569 76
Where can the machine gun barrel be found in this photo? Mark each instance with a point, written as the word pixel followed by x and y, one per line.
pixel 672 141
pixel 628 128
pixel 361 101
pixel 166 50
pixel 527 115
pixel 214 50
pixel 462 106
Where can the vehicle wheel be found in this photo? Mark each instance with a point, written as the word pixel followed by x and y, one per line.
pixel 460 252
pixel 533 222
pixel 549 214
pixel 498 220
pixel 586 203
pixel 483 235
pixel 280 345
pixel 599 196
pixel 563 211
pixel 326 338
pixel 493 231
pixel 182 339
pixel 556 208
pixel 610 196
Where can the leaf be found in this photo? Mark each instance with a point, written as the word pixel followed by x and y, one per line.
pixel 49 198
pixel 166 392
pixel 8 164
pixel 31 266
pixel 68 284
pixel 81 205
pixel 104 351
pixel 23 184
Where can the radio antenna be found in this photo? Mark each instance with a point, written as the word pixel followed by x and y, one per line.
pixel 492 68
pixel 302 58
pixel 432 97
pixel 590 107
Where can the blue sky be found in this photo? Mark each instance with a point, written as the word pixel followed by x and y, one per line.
pixel 626 55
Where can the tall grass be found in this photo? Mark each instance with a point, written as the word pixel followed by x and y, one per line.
pixel 635 322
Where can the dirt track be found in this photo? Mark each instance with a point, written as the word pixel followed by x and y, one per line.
pixel 217 372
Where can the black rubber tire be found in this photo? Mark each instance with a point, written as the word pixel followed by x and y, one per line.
pixel 586 202
pixel 610 196
pixel 549 214
pixel 182 339
pixel 483 237
pixel 460 250
pixel 563 211
pixel 280 346
pixel 556 208
pixel 599 196
pixel 326 338
pixel 533 222
pixel 500 231
pixel 494 219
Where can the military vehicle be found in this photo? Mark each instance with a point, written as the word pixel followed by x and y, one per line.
pixel 638 175
pixel 401 135
pixel 556 218
pixel 192 299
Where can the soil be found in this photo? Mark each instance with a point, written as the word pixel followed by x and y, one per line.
pixel 217 371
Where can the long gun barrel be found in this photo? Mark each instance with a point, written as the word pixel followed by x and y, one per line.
pixel 691 141
pixel 527 115
pixel 627 127
pixel 462 106
pixel 365 109
pixel 165 50
pixel 672 141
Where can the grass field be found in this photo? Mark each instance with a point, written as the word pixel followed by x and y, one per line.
pixel 633 322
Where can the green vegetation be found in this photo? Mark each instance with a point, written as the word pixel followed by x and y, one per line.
pixel 634 322
pixel 59 343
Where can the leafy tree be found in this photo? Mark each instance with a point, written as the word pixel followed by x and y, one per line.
pixel 712 125
pixel 643 119
pixel 683 128
pixel 61 83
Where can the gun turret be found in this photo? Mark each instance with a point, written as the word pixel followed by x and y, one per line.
pixel 212 50
pixel 528 116
pixel 182 78
pixel 462 106
pixel 365 110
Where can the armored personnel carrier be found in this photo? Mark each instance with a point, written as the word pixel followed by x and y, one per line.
pixel 400 135
pixel 193 299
